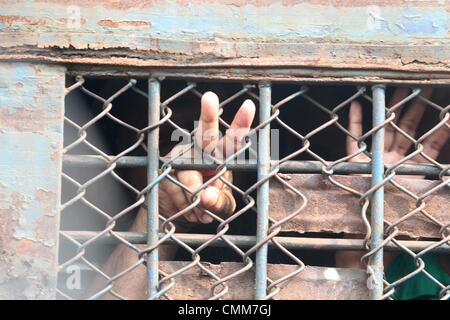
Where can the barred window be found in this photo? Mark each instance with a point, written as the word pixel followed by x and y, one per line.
pixel 334 188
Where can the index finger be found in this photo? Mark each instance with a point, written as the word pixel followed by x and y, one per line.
pixel 400 94
pixel 355 126
pixel 409 123
pixel 208 129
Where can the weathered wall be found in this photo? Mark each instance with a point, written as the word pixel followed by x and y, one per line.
pixel 31 113
pixel 389 35
pixel 392 36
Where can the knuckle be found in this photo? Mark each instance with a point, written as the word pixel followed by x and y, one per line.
pixel 409 125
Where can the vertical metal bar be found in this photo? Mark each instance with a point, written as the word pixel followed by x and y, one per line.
pixel 377 204
pixel 263 191
pixel 152 174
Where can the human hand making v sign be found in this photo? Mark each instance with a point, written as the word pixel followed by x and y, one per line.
pixel 217 197
pixel 396 147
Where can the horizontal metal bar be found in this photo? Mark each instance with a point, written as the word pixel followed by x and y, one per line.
pixel 254 73
pixel 249 241
pixel 286 167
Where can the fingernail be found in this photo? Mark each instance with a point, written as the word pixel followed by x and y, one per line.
pixel 191 217
pixel 209 197
pixel 248 102
pixel 206 218
pixel 211 98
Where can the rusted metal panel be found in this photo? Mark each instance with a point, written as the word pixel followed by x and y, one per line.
pixel 313 283
pixel 31 118
pixel 331 209
pixel 297 74
pixel 382 35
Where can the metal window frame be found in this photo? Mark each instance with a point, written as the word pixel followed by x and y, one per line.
pixel 301 50
pixel 260 241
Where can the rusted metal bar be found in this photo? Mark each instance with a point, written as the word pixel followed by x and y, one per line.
pixel 262 220
pixel 193 239
pixel 286 167
pixel 386 35
pixel 377 197
pixel 152 200
pixel 256 73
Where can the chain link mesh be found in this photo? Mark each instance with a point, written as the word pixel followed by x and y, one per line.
pixel 168 232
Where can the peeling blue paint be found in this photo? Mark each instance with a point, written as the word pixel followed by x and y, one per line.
pixel 31 123
pixel 274 22
pixel 13 98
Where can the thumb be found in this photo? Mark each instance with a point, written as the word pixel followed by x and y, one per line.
pixel 220 202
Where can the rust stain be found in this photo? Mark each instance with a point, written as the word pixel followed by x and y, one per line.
pixel 45 233
pixel 9 20
pixel 82 21
pixel 9 219
pixel 55 156
pixel 18 200
pixel 109 4
pixel 26 119
pixel 10 206
pixel 330 209
pixel 127 4
pixel 24 246
pixel 47 200
pixel 356 63
pixel 45 228
pixel 353 3
pixel 312 283
pixel 121 24
pixel 28 216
